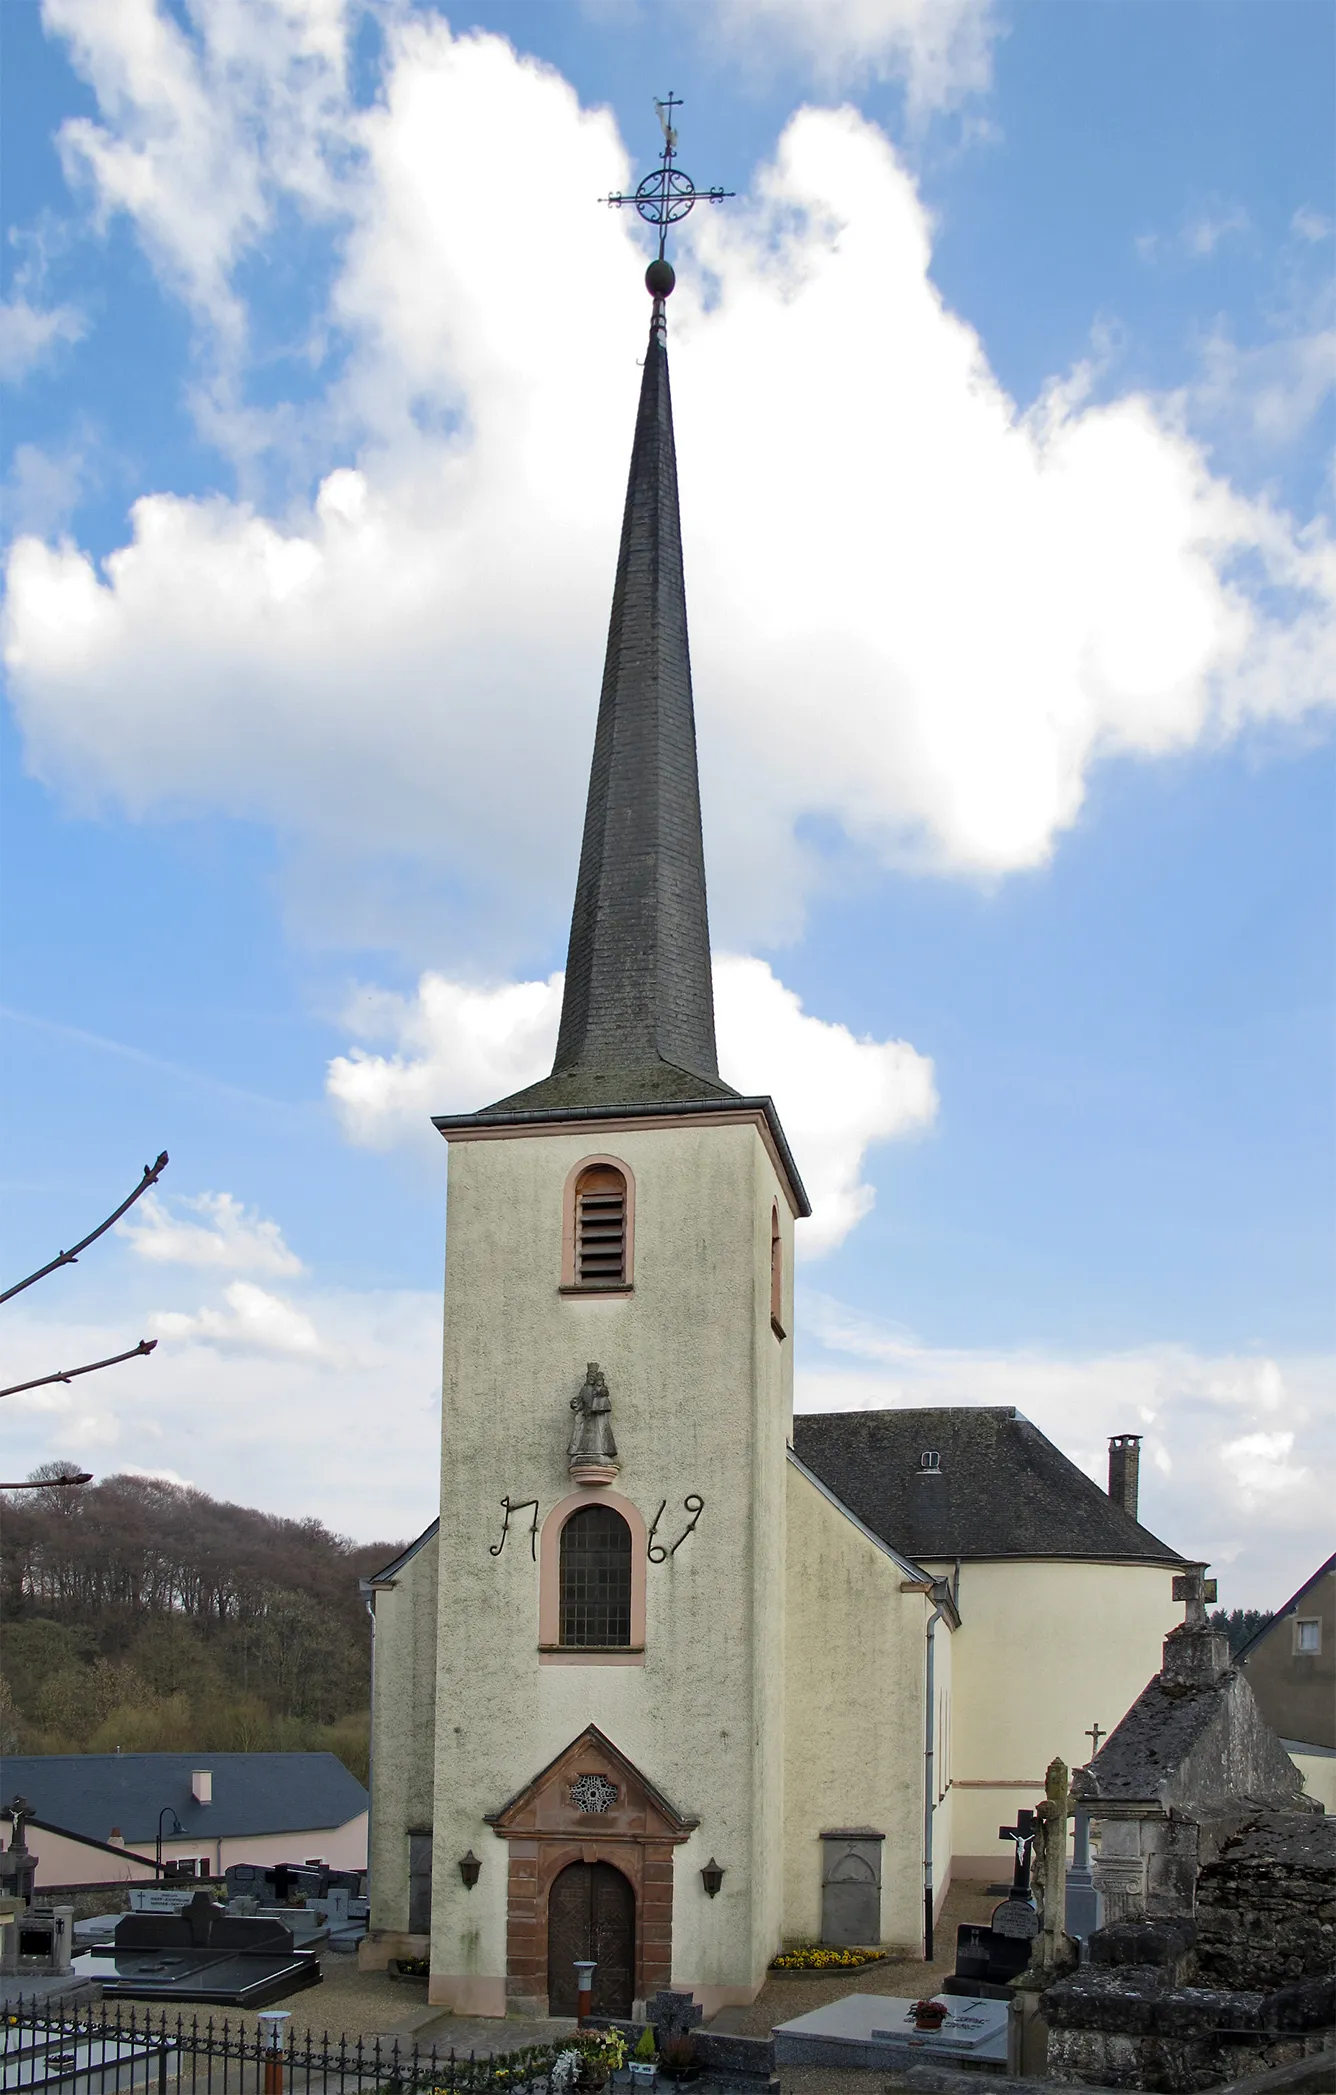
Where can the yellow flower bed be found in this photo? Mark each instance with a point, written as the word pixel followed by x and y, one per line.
pixel 811 1956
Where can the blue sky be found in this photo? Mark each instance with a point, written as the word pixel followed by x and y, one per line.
pixel 1004 421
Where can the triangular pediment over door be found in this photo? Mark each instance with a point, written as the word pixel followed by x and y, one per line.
pixel 591 1786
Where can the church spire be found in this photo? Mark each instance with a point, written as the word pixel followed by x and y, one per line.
pixel 637 1020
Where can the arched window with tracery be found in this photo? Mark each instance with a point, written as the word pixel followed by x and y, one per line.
pixel 599 1230
pixel 595 1580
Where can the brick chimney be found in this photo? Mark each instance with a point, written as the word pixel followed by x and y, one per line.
pixel 1124 1469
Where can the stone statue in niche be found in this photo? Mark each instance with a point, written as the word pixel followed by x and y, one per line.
pixel 592 1454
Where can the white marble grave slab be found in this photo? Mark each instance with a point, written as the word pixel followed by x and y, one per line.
pixel 876 2029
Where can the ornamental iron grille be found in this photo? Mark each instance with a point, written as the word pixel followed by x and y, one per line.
pixel 595 1579
pixel 593 1793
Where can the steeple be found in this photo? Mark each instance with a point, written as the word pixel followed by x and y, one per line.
pixel 637 1021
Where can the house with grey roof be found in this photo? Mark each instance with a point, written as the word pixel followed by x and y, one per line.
pixel 1290 1665
pixel 110 1817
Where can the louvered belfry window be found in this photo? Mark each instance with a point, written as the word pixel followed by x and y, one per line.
pixel 600 1227
pixel 596 1579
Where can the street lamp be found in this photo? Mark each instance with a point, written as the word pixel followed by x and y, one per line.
pixel 178 1831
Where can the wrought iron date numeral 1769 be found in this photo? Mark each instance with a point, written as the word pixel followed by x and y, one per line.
pixel 494 1549
pixel 693 1504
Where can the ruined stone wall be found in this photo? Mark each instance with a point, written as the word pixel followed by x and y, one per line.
pixel 1266 1899
pixel 1179 2004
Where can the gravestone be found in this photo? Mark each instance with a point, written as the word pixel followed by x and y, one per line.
pixel 988 1959
pixel 673 2015
pixel 851 1886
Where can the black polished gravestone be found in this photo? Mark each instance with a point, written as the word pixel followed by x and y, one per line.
pixel 202 1953
pixel 988 1959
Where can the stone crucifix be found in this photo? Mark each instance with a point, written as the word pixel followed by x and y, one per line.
pixel 1194 1588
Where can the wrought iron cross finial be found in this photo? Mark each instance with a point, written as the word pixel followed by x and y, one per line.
pixel 666 195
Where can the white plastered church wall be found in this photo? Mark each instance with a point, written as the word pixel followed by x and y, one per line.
pixel 854 1720
pixel 1045 1649
pixel 701 1397
pixel 403 1726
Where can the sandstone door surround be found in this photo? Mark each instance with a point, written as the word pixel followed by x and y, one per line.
pixel 590 1804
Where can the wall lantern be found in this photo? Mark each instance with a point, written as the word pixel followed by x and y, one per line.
pixel 712 1876
pixel 470 1869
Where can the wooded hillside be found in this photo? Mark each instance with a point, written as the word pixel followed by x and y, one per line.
pixel 152 1617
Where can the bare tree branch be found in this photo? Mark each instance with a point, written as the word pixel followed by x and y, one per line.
pixel 83 1476
pixel 152 1173
pixel 145 1345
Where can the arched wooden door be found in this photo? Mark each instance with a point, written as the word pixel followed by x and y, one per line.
pixel 591 1912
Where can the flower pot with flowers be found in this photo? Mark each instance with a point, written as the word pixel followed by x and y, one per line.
pixel 589 2060
pixel 930 2014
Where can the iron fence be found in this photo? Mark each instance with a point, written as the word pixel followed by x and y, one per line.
pixel 87 2050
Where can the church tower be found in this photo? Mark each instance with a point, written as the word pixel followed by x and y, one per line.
pixel 609 1632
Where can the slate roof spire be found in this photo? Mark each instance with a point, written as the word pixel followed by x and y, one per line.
pixel 637 1021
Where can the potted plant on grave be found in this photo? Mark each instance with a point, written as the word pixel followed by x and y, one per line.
pixel 644 2060
pixel 589 2060
pixel 929 2014
pixel 679 2057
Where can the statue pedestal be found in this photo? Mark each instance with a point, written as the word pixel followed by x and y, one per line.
pixel 594 1472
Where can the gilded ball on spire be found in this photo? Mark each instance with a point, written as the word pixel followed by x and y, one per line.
pixel 659 278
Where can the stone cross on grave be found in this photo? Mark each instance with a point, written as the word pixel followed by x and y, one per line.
pixel 1095 1733
pixel 1054 1951
pixel 1196 1590
pixel 673 2015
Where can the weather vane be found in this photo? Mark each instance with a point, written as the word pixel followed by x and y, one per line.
pixel 665 196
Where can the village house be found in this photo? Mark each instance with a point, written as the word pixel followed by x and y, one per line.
pixel 1290 1665
pixel 111 1818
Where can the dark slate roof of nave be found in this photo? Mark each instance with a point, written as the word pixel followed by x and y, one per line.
pixel 253 1793
pixel 1003 1489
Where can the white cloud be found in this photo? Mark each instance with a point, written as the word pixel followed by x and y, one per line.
pixel 1310 225
pixel 254 1321
pixel 231 1237
pixel 346 1430
pixel 1270 394
pixel 1199 233
pixel 837 1094
pixel 456 1048
pixel 204 127
pixel 157 1476
pixel 941 49
pixel 921 618
pixel 29 334
pixel 1238 1452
